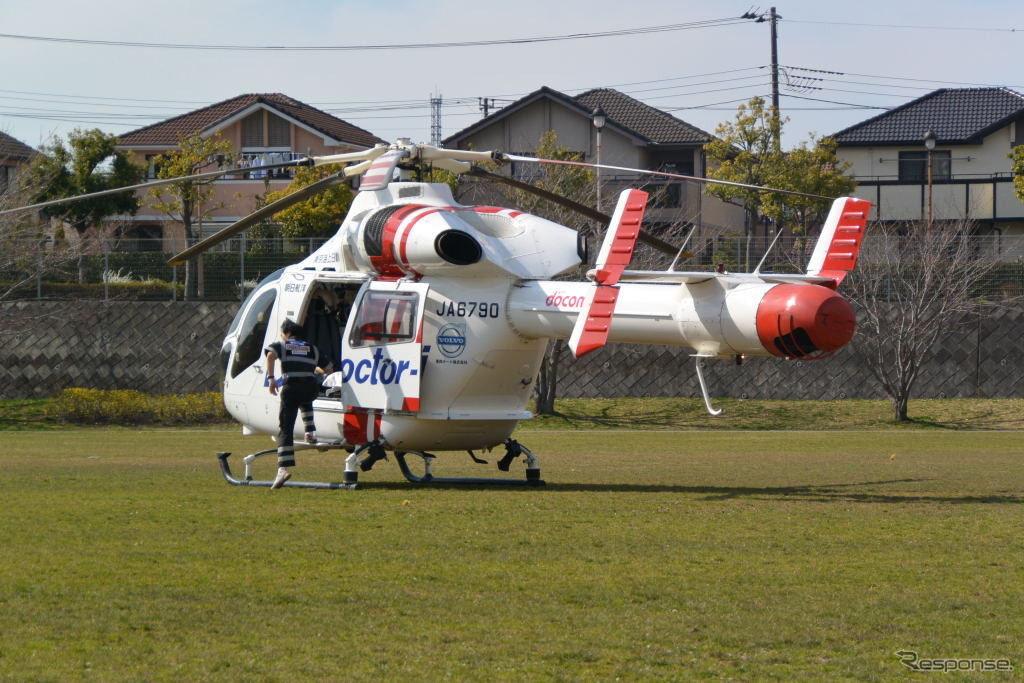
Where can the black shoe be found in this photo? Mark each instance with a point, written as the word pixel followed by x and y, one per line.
pixel 377 453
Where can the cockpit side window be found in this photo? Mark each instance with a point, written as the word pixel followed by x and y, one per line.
pixel 385 318
pixel 253 331
pixel 276 275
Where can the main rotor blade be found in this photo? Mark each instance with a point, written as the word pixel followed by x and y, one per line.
pixel 257 216
pixel 698 179
pixel 378 176
pixel 305 161
pixel 361 155
pixel 602 218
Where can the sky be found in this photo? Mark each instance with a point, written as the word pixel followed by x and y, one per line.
pixel 841 62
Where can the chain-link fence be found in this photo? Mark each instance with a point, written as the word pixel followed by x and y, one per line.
pixel 137 269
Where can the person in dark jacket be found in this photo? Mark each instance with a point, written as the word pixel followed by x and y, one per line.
pixel 299 386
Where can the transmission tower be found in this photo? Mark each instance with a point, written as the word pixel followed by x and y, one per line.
pixel 435 120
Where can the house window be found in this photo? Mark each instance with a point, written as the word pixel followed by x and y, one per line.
pixel 143 237
pixel 914 169
pixel 152 168
pixel 252 130
pixel 279 131
pixel 264 129
pixel 680 166
pixel 663 195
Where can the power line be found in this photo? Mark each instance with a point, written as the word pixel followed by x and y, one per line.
pixel 674 78
pixel 709 23
pixel 913 26
pixel 851 105
pixel 905 78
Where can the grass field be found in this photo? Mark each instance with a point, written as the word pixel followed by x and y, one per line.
pixel 649 555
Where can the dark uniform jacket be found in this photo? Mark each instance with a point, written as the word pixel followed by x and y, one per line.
pixel 298 359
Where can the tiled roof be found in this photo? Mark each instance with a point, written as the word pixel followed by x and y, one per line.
pixel 955 115
pixel 634 117
pixel 654 125
pixel 170 131
pixel 13 149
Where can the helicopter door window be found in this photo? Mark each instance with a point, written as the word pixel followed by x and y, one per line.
pixel 385 318
pixel 253 331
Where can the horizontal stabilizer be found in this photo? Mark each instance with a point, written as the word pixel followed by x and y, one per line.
pixel 696 277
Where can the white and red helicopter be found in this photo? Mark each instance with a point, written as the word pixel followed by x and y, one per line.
pixel 436 316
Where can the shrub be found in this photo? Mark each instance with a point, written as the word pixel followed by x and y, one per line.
pixel 121 406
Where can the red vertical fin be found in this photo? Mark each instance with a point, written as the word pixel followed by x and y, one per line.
pixel 595 319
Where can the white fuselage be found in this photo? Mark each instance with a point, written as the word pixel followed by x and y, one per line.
pixel 467 303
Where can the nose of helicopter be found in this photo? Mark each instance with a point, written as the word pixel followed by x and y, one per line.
pixel 795 321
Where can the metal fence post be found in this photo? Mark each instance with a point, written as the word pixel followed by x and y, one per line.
pixel 241 268
pixel 106 272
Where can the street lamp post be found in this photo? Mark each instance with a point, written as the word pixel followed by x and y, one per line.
pixel 929 145
pixel 599 119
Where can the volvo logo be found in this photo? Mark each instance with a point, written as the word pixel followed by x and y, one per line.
pixel 451 340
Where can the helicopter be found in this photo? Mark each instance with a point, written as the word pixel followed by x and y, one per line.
pixel 434 316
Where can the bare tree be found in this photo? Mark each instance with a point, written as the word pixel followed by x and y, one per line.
pixel 29 246
pixel 572 182
pixel 579 185
pixel 29 249
pixel 911 286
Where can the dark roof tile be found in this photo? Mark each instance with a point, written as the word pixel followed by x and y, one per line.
pixel 955 115
pixel 654 125
pixel 169 132
pixel 640 120
pixel 14 150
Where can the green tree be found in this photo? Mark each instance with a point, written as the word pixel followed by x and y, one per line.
pixel 186 201
pixel 318 216
pixel 746 151
pixel 1018 171
pixel 812 168
pixel 86 162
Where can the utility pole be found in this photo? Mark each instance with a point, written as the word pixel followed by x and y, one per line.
pixel 772 17
pixel 435 120
pixel 485 104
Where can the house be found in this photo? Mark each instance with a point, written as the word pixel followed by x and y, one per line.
pixel 13 155
pixel 635 135
pixel 975 131
pixel 263 128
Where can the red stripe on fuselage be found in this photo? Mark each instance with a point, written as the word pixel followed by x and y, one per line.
pixel 385 264
pixel 360 427
pixel 402 257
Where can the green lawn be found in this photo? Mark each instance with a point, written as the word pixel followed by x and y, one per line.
pixel 649 555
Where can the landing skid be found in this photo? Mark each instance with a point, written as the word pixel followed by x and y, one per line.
pixel 375 452
pixel 225 469
pixel 532 474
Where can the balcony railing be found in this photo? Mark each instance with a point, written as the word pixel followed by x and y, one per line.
pixel 988 197
pixel 255 160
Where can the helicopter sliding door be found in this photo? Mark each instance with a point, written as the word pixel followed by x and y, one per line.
pixel 381 363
